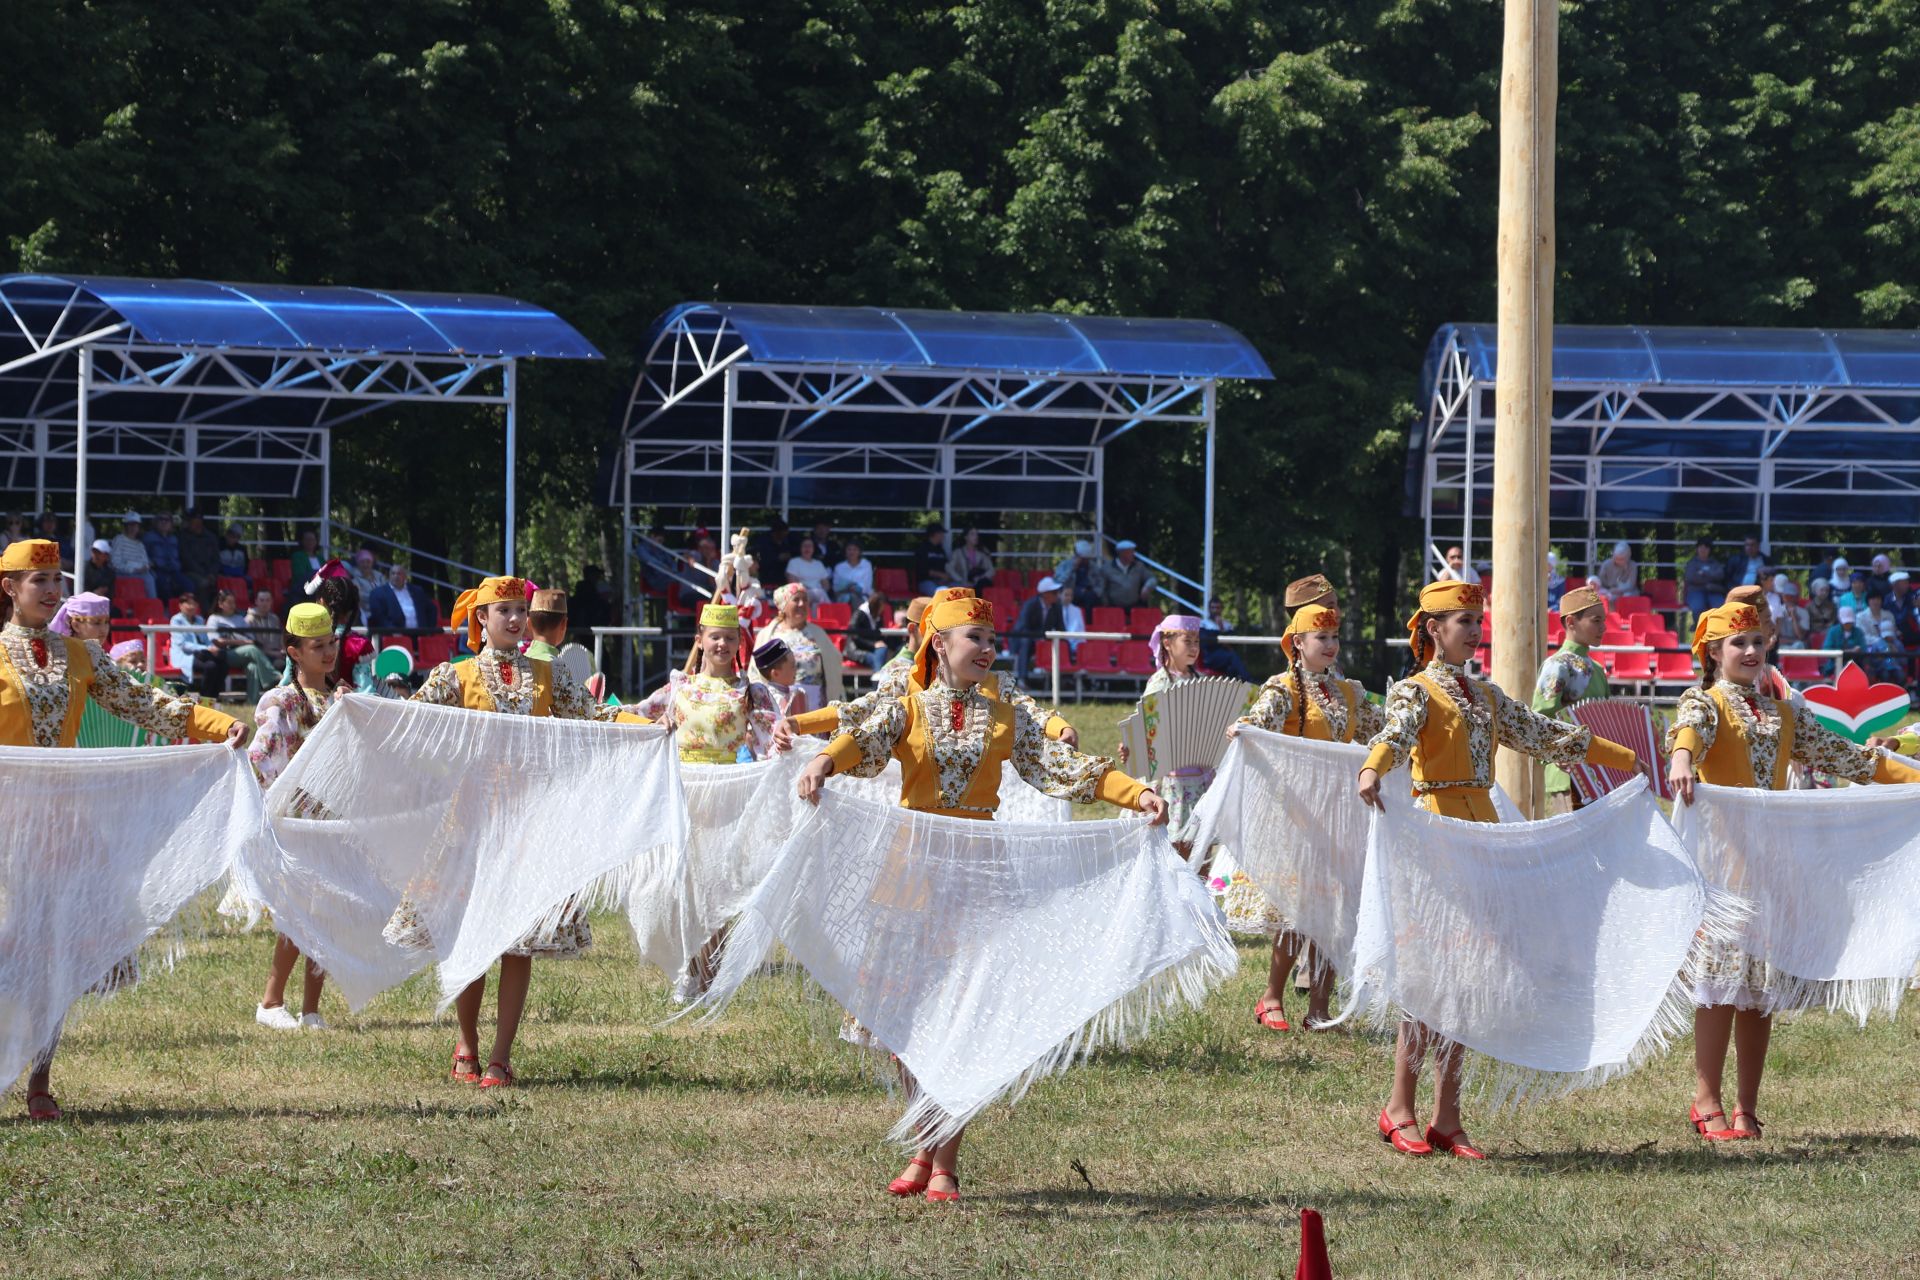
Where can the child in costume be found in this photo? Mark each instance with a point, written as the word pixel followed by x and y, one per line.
pixel 1446 726
pixel 1571 676
pixel 1730 733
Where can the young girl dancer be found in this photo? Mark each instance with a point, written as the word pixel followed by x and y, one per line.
pixel 45 682
pixel 1308 700
pixel 951 739
pixel 1175 644
pixel 1446 725
pixel 501 679
pixel 282 721
pixel 1729 733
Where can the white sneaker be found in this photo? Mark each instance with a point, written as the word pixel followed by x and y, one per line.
pixel 277 1017
pixel 312 1022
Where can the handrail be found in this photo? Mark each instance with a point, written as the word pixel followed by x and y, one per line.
pixel 414 554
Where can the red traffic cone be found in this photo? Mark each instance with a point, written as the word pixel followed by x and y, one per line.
pixel 1313 1248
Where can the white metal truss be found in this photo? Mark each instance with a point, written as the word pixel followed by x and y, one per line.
pixel 1746 473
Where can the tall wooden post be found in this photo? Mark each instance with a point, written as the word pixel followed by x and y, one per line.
pixel 1529 83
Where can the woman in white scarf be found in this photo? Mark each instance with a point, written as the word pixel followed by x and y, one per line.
pixel 1727 733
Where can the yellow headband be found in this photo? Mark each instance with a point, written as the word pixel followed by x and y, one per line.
pixel 951 607
pixel 1446 597
pixel 28 554
pixel 308 620
pixel 492 591
pixel 1718 624
pixel 1308 589
pixel 1315 617
pixel 720 615
pixel 1578 599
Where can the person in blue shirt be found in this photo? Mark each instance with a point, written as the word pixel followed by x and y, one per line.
pixel 193 649
pixel 163 553
pixel 1748 567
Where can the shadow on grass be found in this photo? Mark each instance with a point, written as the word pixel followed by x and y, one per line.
pixel 116 1116
pixel 1680 1155
pixel 1182 1204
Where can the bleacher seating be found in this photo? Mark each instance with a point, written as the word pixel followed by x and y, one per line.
pixel 1134 658
pixel 1662 593
pixel 1096 657
pixel 431 651
pixel 1634 668
pixel 1674 668
pixel 1104 618
pixel 1800 666
pixel 1143 619
pixel 833 615
pixel 1627 606
pixel 893 583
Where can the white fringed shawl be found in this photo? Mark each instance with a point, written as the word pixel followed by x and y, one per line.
pixel 104 849
pixel 1834 881
pixel 495 827
pixel 1553 948
pixel 985 955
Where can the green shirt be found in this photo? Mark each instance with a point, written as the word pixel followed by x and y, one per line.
pixel 1567 677
pixel 541 650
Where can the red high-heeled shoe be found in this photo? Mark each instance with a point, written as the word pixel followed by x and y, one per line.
pixel 1269 1016
pixel 948 1197
pixel 469 1074
pixel 503 1081
pixel 1453 1144
pixel 1395 1136
pixel 50 1112
pixel 1757 1126
pixel 912 1186
pixel 1700 1125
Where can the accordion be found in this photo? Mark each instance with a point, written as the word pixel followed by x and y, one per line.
pixel 1184 727
pixel 1631 725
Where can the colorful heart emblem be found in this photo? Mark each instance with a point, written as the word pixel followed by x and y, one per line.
pixel 1855 708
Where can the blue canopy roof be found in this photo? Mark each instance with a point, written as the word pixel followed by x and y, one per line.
pixel 279 317
pixel 1875 359
pixel 1010 342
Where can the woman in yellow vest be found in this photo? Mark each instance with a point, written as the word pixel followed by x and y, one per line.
pixel 951 740
pixel 1308 700
pixel 1730 734
pixel 45 681
pixel 499 678
pixel 1445 726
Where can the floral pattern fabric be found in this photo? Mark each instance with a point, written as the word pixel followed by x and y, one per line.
pixel 120 693
pixel 1273 708
pixel 1486 711
pixel 713 719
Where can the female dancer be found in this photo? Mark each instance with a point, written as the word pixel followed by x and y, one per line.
pixel 1446 725
pixel 717 714
pixel 45 682
pixel 816 661
pixel 950 740
pixel 502 679
pixel 1175 644
pixel 1730 734
pixel 1306 701
pixel 282 721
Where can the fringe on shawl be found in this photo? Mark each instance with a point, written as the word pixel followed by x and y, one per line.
pixel 1503 1086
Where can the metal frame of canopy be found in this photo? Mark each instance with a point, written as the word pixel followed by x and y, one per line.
pixel 1752 426
pixel 884 409
pixel 236 386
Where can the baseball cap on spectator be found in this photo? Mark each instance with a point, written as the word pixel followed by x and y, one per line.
pixel 1047 584
pixel 1846 614
pixel 1898 575
pixel 1083 548
pixel 1783 585
pixel 1126 544
pixel 103 546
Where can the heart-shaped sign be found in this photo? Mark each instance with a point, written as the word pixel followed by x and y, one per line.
pixel 1854 707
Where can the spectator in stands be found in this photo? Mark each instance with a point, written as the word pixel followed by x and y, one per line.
pixel 969 565
pixel 1071 618
pixel 1214 655
pixel 49 527
pixel 866 635
pixel 706 555
pixel 13 532
pixel 232 649
pixel 1904 604
pixel 1704 579
pixel 234 557
pixel 1081 572
pixel 1878 621
pixel 129 554
pixel 1556 587
pixel 307 557
pixel 1748 566
pixel 1822 610
pixel 1855 596
pixel 1039 614
pixel 1128 584
pixel 1840 576
pixel 823 544
pixel 853 576
pixel 1882 570
pixel 810 571
pixel 401 604
pixel 930 561
pixel 1790 623
pixel 189 646
pixel 1619 576
pixel 99 575
pixel 163 554
pixel 366 579
pixel 1823 567
pixel 1845 635
pixel 774 547
pixel 1458 570
pixel 267 629
pixel 200 554
pixel 817 665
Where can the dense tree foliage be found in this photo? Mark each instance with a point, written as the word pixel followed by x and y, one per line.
pixel 1318 173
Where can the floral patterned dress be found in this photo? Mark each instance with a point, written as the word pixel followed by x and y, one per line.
pixel 715 721
pixel 508 677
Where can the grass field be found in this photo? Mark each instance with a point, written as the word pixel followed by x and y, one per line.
pixel 201 1145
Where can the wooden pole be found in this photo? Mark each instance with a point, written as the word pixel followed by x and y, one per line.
pixel 1524 387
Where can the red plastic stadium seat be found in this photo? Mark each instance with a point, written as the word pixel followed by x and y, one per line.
pixel 1010 579
pixel 433 650
pixel 1617 634
pixel 1629 605
pixel 1096 657
pixel 1799 666
pixel 1633 666
pixel 833 615
pixel 1105 619
pixel 259 571
pixel 1043 657
pixel 163 658
pixel 127 590
pixel 1675 668
pixel 242 593
pixel 282 570
pixel 1135 658
pixel 1640 624
pixel 398 642
pixel 150 612
pixel 1034 576
pixel 1556 631
pixel 1006 606
pixel 1662 593
pixel 1574 581
pixel 1661 639
pixel 1143 619
pixel 893 583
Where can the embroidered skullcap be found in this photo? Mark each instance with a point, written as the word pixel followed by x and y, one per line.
pixel 84 605
pixel 307 620
pixel 720 615
pixel 1578 599
pixel 1447 597
pixel 1172 622
pixel 771 653
pixel 549 600
pixel 28 554
pixel 1314 617
pixel 1307 590
pixel 1718 624
pixel 467 607
pixel 917 608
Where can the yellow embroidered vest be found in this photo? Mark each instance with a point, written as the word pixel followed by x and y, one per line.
pixel 1309 721
pixel 1728 763
pixel 474 695
pixel 1441 753
pixel 16 718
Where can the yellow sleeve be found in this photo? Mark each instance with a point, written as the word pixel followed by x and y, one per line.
pixel 1057 727
pixel 845 753
pixel 630 717
pixel 1891 770
pixel 204 724
pixel 1116 788
pixel 814 723
pixel 1611 755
